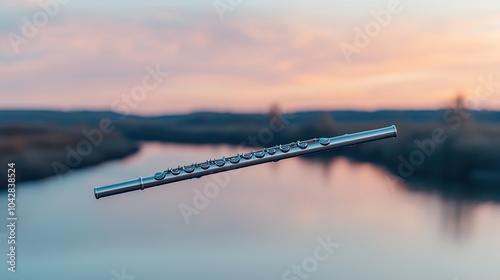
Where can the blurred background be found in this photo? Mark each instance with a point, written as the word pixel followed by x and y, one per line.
pixel 93 93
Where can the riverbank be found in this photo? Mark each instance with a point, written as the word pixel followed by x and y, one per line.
pixel 41 151
pixel 440 146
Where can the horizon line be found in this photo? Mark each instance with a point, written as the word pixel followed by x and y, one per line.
pixel 238 112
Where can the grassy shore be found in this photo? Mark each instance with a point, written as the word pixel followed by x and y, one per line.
pixel 40 151
pixel 466 150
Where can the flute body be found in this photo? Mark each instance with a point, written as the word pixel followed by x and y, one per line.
pixel 276 153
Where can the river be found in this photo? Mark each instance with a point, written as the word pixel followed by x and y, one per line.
pixel 295 219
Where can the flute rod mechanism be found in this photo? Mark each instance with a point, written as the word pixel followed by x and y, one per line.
pixel 197 170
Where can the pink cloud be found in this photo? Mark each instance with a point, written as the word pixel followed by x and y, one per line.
pixel 248 64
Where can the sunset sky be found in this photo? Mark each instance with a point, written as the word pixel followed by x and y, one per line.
pixel 89 54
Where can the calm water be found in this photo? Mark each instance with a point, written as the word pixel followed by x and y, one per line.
pixel 266 220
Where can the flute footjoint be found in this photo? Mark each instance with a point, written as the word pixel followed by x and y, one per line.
pixel 276 153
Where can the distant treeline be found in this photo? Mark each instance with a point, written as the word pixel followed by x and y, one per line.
pixel 448 145
pixel 92 118
pixel 40 151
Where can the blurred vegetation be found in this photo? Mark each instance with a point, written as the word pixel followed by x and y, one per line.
pixel 35 148
pixel 470 152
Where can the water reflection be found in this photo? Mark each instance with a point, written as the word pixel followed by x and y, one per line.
pixel 457 201
pixel 267 219
pixel 457 217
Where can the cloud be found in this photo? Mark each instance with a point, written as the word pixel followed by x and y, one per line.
pixel 20 3
pixel 246 64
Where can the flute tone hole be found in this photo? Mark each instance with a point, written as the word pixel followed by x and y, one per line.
pixel 160 175
pixel 272 151
pixel 302 145
pixel 260 154
pixel 285 148
pixel 324 141
pixel 247 155
pixel 220 162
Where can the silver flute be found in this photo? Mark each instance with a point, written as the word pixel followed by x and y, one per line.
pixel 197 170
